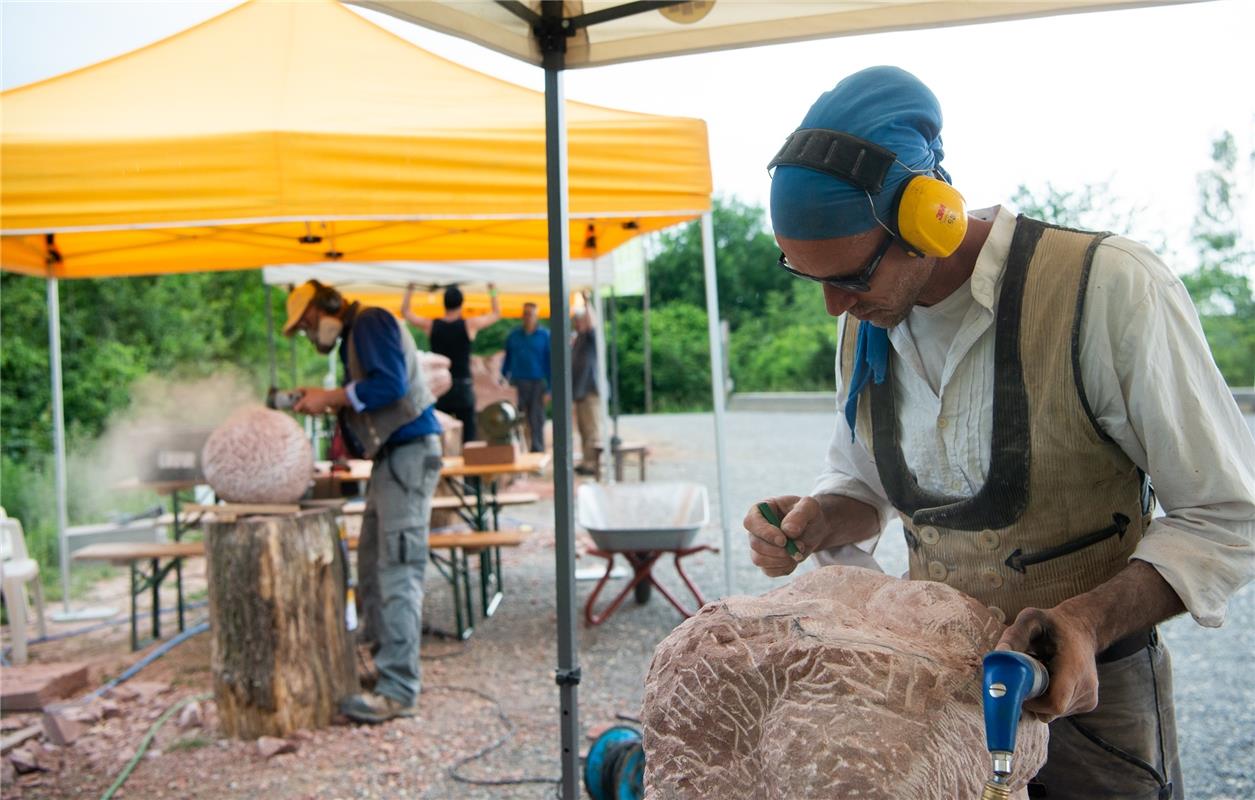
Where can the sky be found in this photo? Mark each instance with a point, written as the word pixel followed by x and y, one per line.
pixel 1129 98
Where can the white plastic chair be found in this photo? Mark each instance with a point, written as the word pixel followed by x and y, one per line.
pixel 17 569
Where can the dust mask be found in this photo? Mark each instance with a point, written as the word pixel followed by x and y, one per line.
pixel 324 339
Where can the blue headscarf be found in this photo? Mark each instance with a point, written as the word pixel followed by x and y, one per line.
pixel 888 106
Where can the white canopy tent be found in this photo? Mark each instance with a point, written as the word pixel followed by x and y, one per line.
pixel 601 32
pixel 584 33
pixel 382 283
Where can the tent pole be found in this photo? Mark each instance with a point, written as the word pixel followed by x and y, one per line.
pixel 615 406
pixel 58 438
pixel 603 381
pixel 270 335
pixel 568 672
pixel 649 367
pixel 717 391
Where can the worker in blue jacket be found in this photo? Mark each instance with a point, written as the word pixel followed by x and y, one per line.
pixel 526 366
pixel 387 413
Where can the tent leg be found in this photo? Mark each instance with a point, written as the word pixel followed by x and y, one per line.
pixel 603 381
pixel 615 406
pixel 270 335
pixel 58 438
pixel 568 672
pixel 648 377
pixel 717 391
pixel 59 471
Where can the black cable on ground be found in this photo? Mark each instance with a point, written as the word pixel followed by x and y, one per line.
pixel 133 670
pixel 111 623
pixel 483 751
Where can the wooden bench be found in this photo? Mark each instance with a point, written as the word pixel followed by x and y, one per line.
pixel 455 567
pixel 132 554
pixel 451 502
pixel 639 449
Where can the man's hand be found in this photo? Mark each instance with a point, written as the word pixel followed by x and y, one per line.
pixel 813 523
pixel 801 520
pixel 435 368
pixel 1068 646
pixel 1068 637
pixel 315 401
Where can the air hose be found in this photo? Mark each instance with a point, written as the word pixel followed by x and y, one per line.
pixel 147 740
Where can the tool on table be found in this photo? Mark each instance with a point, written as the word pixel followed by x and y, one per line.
pixel 283 399
pixel 350 583
pixel 1009 679
pixel 770 516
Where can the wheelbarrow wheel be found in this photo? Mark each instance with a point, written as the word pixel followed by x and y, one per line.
pixel 642 591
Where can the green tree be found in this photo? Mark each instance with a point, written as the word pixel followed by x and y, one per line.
pixel 745 263
pixel 1221 285
pixel 791 346
pixel 681 358
pixel 1093 207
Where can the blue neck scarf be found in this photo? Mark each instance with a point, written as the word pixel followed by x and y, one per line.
pixel 871 360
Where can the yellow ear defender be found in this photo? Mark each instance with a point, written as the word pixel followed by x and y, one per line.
pixel 931 217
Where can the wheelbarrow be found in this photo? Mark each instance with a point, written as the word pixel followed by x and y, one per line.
pixel 642 522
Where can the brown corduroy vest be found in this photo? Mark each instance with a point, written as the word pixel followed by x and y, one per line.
pixel 1062 507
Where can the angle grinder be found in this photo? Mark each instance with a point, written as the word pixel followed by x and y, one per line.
pixel 1009 679
pixel 283 399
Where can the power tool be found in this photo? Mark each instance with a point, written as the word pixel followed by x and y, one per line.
pixel 1010 678
pixel 615 766
pixel 283 399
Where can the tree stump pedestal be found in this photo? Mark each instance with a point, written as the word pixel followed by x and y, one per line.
pixel 282 658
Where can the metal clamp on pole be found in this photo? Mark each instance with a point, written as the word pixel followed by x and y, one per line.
pixel 567 677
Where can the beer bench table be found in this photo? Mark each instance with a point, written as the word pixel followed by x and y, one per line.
pixel 455 567
pixel 639 449
pixel 133 553
pixel 481 510
pixel 181 521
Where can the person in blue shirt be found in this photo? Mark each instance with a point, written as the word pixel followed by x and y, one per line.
pixel 386 413
pixel 526 367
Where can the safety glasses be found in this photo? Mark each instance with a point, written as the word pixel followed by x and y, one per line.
pixel 860 282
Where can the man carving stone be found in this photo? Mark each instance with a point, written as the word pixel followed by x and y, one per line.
pixel 1009 390
pixel 845 683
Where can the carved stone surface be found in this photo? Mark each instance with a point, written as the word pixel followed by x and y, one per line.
pixel 845 683
pixel 258 456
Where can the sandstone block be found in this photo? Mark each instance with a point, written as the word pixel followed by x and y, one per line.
pixel 845 683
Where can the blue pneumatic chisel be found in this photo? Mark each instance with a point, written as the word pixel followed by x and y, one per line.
pixel 1009 679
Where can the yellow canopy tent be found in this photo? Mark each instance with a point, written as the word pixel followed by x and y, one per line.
pixel 279 132
pixel 285 132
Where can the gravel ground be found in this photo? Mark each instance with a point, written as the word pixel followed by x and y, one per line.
pixel 507 666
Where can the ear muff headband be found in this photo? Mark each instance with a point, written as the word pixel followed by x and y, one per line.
pixel 327 298
pixel 931 216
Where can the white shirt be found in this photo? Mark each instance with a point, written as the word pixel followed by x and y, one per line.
pixel 1152 384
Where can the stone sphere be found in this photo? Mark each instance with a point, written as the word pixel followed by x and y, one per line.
pixel 845 683
pixel 258 456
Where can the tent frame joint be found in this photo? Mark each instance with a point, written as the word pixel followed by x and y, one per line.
pixel 567 677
